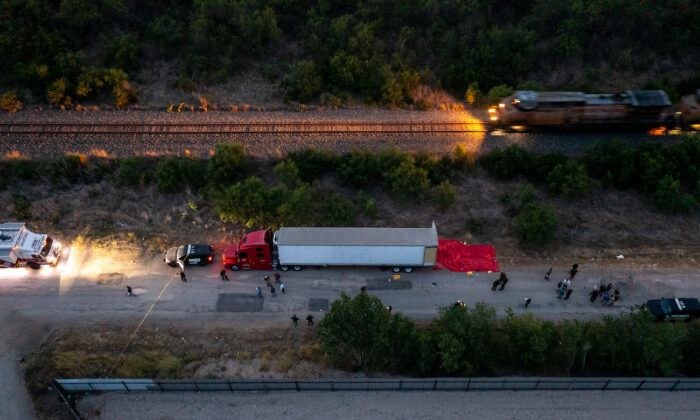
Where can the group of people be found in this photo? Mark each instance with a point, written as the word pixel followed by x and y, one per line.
pixel 309 320
pixel 606 297
pixel 500 281
pixel 564 289
pixel 273 292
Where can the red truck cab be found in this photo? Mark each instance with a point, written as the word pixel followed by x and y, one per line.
pixel 253 252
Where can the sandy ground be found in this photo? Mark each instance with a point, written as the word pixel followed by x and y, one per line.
pixel 396 405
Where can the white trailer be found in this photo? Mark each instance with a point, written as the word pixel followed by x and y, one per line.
pixel 397 248
pixel 20 247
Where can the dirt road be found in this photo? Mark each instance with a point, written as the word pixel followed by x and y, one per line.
pixel 92 289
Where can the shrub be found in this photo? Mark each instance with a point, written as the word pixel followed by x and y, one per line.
pixel 367 204
pixel 9 102
pixel 408 182
pixel 529 342
pixel 22 207
pixel 303 83
pixel 248 202
pixel 70 168
pixel 169 179
pixel 287 173
pixel 228 165
pixel 691 356
pixel 497 92
pixel 668 197
pixel 438 170
pixel 536 224
pixel 508 163
pixel 463 160
pixel 358 168
pixel 135 171
pixel 389 160
pixel 542 165
pixel 298 208
pixel 23 169
pixel 312 163
pixel 445 195
pixel 338 211
pixel 570 179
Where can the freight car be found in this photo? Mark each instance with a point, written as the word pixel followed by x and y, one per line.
pixel 628 110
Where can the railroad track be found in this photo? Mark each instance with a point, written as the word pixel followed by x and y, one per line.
pixel 17 128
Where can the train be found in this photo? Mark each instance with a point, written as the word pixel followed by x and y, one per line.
pixel 629 110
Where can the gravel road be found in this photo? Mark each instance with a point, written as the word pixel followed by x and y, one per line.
pixel 396 405
pixel 275 145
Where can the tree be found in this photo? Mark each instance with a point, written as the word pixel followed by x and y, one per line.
pixel 248 202
pixel 354 332
pixel 287 173
pixel 57 90
pixel 408 182
pixel 358 168
pixel 536 224
pixel 570 179
pixel 445 195
pixel 298 208
pixel 135 170
pixel 529 342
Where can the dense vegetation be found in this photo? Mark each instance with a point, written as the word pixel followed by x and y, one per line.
pixel 378 51
pixel 360 333
pixel 667 174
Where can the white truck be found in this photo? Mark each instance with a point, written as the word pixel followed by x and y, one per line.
pixel 19 247
pixel 297 247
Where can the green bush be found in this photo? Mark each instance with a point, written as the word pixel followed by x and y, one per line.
pixel 298 207
pixel 135 171
pixel 668 197
pixel 536 224
pixel 168 176
pixel 358 168
pixel 22 207
pixel 390 159
pixel 528 342
pixel 691 357
pixel 122 53
pixel 303 83
pixel 367 204
pixel 463 160
pixel 70 168
pixel 23 169
pixel 497 92
pixel 509 163
pixel 438 170
pixel 571 180
pixel 408 183
pixel 228 165
pixel 337 211
pixel 287 173
pixel 312 163
pixel 10 102
pixel 445 195
pixel 249 202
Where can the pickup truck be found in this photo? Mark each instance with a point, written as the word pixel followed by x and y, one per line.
pixel 674 309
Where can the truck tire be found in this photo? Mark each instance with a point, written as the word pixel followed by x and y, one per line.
pixel 235 268
pixel 33 265
pixel 407 269
pixel 396 269
pixel 284 268
pixel 297 268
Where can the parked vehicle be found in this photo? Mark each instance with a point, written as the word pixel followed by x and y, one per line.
pixel 298 247
pixel 674 309
pixel 19 247
pixel 189 254
pixel 689 111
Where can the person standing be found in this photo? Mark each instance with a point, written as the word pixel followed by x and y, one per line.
pixel 566 283
pixel 573 271
pixel 606 299
pixel 267 281
pixel 389 308
pixel 282 288
pixel 568 294
pixel 503 283
pixel 560 292
pixel 495 284
pixel 594 293
pixel 294 319
pixel 277 278
pixel 546 276
pixel 527 302
pixel 259 292
pixel 272 291
pixel 309 320
pixel 223 275
pixel 182 276
pixel 129 291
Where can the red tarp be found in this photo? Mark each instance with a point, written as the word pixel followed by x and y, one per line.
pixel 456 256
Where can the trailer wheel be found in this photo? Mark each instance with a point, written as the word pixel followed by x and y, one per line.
pixel 407 269
pixel 396 269
pixel 33 265
pixel 235 268
pixel 284 268
pixel 297 268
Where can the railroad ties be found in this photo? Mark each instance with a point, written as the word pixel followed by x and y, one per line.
pixel 160 128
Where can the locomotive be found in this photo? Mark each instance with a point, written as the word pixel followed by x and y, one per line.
pixel 628 110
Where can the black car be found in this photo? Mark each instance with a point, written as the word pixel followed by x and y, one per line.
pixel 674 309
pixel 189 254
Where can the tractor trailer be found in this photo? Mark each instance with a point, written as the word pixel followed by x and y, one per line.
pixel 298 247
pixel 19 247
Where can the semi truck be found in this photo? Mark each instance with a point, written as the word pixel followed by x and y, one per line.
pixel 299 247
pixel 19 247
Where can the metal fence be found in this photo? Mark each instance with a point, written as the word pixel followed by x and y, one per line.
pixel 384 384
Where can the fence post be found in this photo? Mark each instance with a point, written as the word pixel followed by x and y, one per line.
pixel 435 385
pixel 640 384
pixel 297 385
pixel 571 385
pixel 125 387
pixel 537 385
pixel 469 382
pixel 606 384
pixel 229 385
pixel 400 384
